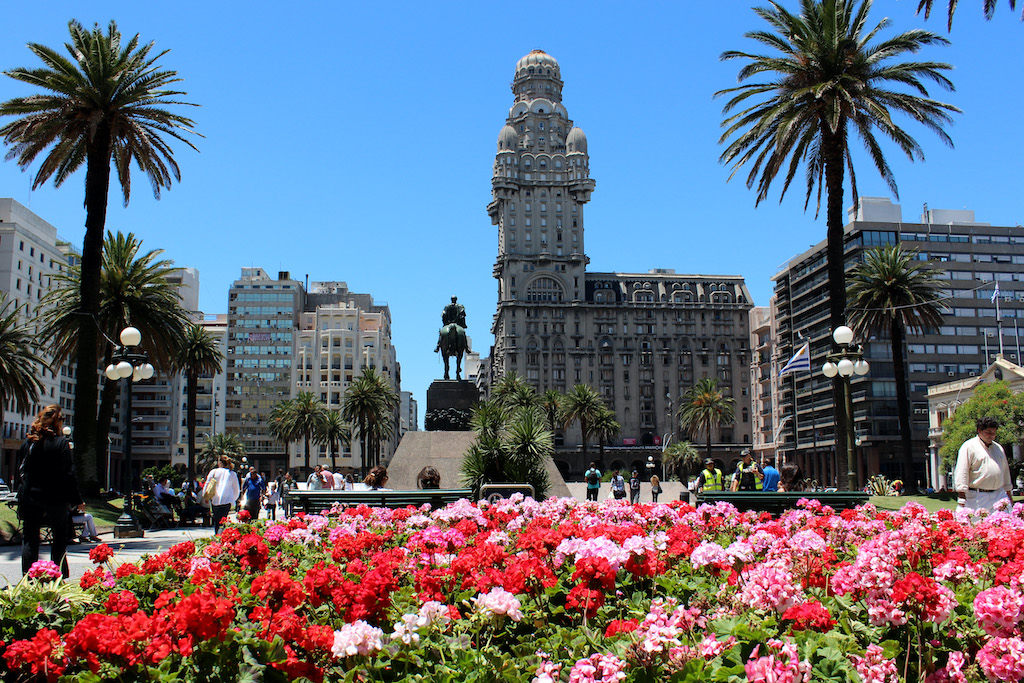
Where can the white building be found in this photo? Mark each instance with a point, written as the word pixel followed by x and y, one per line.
pixel 30 253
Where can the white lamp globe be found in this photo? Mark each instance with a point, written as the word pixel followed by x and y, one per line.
pixel 845 367
pixel 843 335
pixel 136 374
pixel 146 370
pixel 124 369
pixel 112 372
pixel 829 369
pixel 861 367
pixel 66 431
pixel 130 336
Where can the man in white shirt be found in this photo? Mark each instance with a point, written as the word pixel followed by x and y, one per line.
pixel 982 475
pixel 339 481
pixel 227 491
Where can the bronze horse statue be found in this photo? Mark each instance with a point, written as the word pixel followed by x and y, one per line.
pixel 451 341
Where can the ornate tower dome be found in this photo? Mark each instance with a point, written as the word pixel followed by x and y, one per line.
pixel 537 75
pixel 538 62
pixel 576 141
pixel 508 139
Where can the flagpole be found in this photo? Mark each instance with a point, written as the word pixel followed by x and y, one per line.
pixel 999 319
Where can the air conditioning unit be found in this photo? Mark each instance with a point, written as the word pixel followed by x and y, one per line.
pixel 951 374
pixel 972 373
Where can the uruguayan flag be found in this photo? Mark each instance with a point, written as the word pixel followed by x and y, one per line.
pixel 995 294
pixel 801 360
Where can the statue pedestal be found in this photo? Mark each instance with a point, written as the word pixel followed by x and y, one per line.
pixel 448 393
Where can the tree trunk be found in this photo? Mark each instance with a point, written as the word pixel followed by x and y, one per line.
pixel 97 186
pixel 897 334
pixel 108 396
pixel 834 147
pixel 334 456
pixel 305 442
pixel 192 390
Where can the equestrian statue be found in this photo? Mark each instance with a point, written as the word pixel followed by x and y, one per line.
pixel 451 338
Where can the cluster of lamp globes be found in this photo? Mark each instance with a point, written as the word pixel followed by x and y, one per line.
pixel 130 336
pixel 843 336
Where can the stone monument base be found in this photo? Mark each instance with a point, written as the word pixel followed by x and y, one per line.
pixel 449 393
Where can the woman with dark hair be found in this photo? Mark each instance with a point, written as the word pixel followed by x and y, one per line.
pixel 791 478
pixel 48 488
pixel 376 479
pixel 428 478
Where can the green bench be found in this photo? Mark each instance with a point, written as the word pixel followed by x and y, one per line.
pixel 317 501
pixel 776 503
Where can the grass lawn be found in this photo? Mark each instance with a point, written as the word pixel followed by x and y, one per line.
pixel 931 503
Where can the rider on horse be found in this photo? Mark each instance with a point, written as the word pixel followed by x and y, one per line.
pixel 451 338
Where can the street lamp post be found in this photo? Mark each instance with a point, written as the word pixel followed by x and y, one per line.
pixel 130 366
pixel 846 362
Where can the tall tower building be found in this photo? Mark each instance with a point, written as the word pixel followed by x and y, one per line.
pixel 640 339
pixel 540 185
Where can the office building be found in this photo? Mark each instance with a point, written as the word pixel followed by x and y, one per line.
pixel 263 316
pixel 975 258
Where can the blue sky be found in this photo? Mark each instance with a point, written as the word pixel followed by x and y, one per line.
pixel 354 141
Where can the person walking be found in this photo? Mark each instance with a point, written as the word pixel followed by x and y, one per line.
pixel 253 488
pixel 618 485
pixel 634 487
pixel 593 479
pixel 982 475
pixel 710 477
pixel 273 498
pixel 655 488
pixel 226 491
pixel 287 484
pixel 48 490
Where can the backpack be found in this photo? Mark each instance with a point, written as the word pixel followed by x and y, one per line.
pixel 593 477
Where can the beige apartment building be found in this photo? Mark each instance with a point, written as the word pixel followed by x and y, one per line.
pixel 640 339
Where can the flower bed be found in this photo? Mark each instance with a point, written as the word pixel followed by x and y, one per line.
pixel 554 591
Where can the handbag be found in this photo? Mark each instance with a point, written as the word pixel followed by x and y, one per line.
pixel 210 489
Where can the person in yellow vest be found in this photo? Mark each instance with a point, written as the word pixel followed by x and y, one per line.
pixel 710 478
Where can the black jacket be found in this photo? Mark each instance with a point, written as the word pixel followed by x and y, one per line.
pixel 47 474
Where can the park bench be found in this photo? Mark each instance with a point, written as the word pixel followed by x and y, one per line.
pixel 775 502
pixel 323 499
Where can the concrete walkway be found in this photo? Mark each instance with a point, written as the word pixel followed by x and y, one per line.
pixel 156 542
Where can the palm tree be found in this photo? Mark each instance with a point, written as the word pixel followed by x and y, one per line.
pixel 605 427
pixel 334 432
pixel 705 408
pixel 890 293
pixel 300 418
pixel 680 458
pixel 583 405
pixel 20 364
pixel 134 290
pixel 551 404
pixel 105 105
pixel 827 78
pixel 198 355
pixel 218 445
pixel 512 391
pixel 512 446
pixel 987 6
pixel 369 405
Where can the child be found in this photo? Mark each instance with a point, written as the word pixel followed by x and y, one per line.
pixel 273 498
